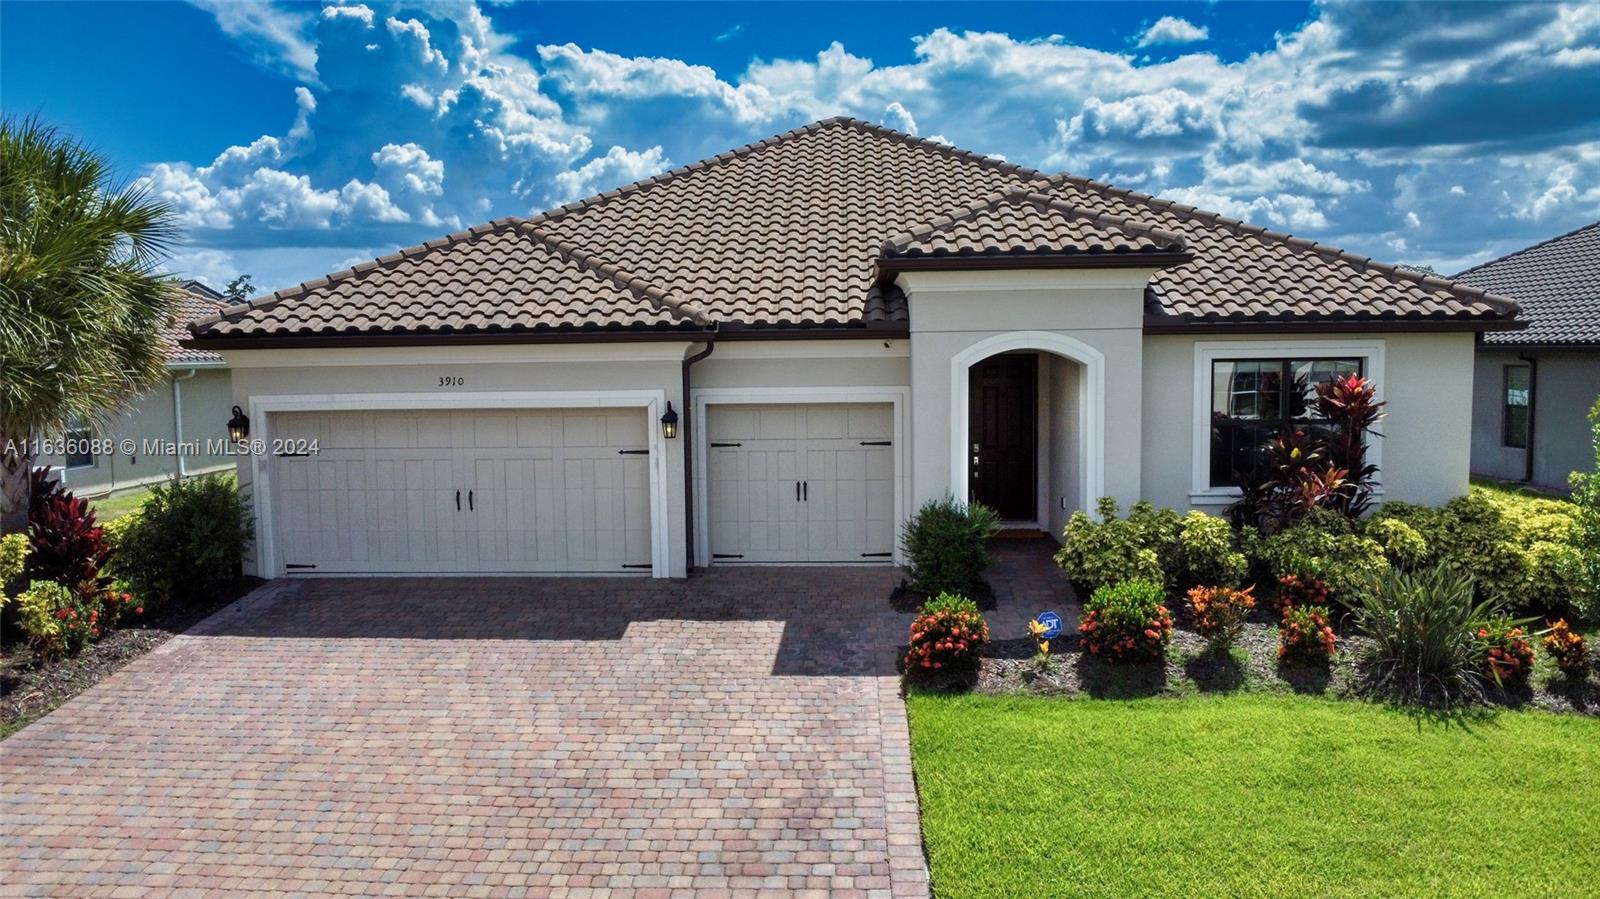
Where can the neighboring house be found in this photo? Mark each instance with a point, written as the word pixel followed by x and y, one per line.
pixel 189 406
pixel 849 321
pixel 1533 389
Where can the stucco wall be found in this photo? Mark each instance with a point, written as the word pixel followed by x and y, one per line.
pixel 590 367
pixel 1100 310
pixel 1567 384
pixel 1065 455
pixel 207 396
pixel 1426 438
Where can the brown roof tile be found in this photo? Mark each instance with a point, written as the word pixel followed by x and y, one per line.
pixel 194 303
pixel 790 232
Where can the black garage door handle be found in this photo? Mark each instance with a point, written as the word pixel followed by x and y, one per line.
pixel 469 501
pixel 458 500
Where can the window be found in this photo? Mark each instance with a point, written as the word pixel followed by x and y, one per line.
pixel 1518 406
pixel 79 440
pixel 1253 399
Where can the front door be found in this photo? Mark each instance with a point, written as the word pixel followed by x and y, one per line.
pixel 1002 428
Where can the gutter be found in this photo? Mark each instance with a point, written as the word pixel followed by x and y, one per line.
pixel 177 417
pixel 688 448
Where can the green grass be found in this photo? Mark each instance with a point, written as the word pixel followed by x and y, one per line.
pixel 116 505
pixel 1251 795
pixel 1510 490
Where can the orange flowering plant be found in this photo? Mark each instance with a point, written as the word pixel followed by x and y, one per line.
pixel 1299 590
pixel 1127 622
pixel 1220 612
pixel 1507 652
pixel 1568 648
pixel 946 637
pixel 1305 636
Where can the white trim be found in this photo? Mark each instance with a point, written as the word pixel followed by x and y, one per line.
pixel 1206 351
pixel 211 364
pixel 652 402
pixel 702 398
pixel 1091 405
pixel 874 348
pixel 464 354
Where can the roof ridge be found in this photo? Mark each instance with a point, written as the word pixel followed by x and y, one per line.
pixel 1531 247
pixel 1237 226
pixel 772 141
pixel 267 301
pixel 1103 219
pixel 624 279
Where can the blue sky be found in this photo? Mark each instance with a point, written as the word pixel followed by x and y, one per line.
pixel 297 138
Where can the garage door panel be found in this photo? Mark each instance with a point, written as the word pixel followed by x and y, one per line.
pixel 381 497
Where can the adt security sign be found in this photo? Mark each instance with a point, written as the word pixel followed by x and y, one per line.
pixel 1052 625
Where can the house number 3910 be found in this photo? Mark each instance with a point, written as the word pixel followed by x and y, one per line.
pixel 452 381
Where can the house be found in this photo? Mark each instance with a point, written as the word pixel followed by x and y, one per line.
pixel 776 354
pixel 189 407
pixel 1532 389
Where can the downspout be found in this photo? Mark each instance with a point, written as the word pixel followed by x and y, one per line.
pixel 1533 401
pixel 688 447
pixel 177 418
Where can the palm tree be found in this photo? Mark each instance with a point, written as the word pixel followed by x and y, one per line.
pixel 81 303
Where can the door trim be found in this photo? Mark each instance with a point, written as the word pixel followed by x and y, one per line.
pixel 1091 405
pixel 650 402
pixel 702 399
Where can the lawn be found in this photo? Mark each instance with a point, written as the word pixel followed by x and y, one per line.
pixel 1251 795
pixel 116 505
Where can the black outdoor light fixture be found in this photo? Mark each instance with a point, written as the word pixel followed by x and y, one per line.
pixel 238 426
pixel 669 422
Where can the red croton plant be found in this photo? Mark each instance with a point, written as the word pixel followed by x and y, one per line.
pixel 65 543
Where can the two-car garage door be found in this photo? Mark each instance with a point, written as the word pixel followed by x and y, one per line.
pixel 538 490
pixel 801 482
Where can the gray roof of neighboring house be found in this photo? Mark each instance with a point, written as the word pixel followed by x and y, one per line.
pixel 795 232
pixel 1557 282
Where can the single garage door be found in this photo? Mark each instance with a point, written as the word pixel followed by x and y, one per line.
pixel 547 490
pixel 801 482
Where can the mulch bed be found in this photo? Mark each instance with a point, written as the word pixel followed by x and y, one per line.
pixel 29 690
pixel 1191 668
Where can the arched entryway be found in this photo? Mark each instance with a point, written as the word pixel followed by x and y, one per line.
pixel 1027 423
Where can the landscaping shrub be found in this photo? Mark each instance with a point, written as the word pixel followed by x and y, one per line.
pixel 59 620
pixel 13 557
pixel 946 637
pixel 1112 550
pixel 1306 637
pixel 1295 590
pixel 1586 527
pixel 1402 545
pixel 1206 553
pixel 65 544
pixel 1506 653
pixel 185 543
pixel 1568 648
pixel 1323 546
pixel 1423 629
pixel 1127 621
pixel 946 546
pixel 1220 612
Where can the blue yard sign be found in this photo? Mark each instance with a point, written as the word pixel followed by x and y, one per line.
pixel 1052 625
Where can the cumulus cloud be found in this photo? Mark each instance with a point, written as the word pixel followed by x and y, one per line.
pixel 1173 30
pixel 1443 133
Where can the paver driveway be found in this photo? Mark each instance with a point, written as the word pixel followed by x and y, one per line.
pixel 737 733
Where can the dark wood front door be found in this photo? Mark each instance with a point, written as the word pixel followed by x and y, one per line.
pixel 1002 432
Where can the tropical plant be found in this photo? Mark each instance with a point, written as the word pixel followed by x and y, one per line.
pixel 1306 637
pixel 184 543
pixel 1298 590
pixel 1402 545
pixel 1586 532
pixel 1220 612
pixel 1112 550
pixel 65 544
pixel 947 638
pixel 1568 648
pixel 1127 621
pixel 1350 404
pixel 1423 628
pixel 61 620
pixel 13 556
pixel 946 546
pixel 81 303
pixel 1506 653
pixel 1206 552
pixel 1322 546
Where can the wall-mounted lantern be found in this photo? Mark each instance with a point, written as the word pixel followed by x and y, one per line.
pixel 238 426
pixel 669 422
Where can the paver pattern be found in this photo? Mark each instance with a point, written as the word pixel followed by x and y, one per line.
pixel 739 733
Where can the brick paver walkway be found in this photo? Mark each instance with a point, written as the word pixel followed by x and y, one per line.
pixel 740 733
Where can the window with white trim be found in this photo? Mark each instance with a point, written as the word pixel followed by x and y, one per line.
pixel 79 442
pixel 1253 399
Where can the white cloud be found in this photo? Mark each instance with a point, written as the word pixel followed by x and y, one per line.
pixel 617 167
pixel 1173 30
pixel 280 37
pixel 899 118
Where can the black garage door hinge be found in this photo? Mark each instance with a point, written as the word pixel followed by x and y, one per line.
pixel 292 455
pixel 727 556
pixel 715 445
pixel 644 452
pixel 639 565
pixel 877 443
pixel 295 565
pixel 876 555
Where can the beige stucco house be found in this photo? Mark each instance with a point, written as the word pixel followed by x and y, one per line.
pixel 176 429
pixel 776 354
